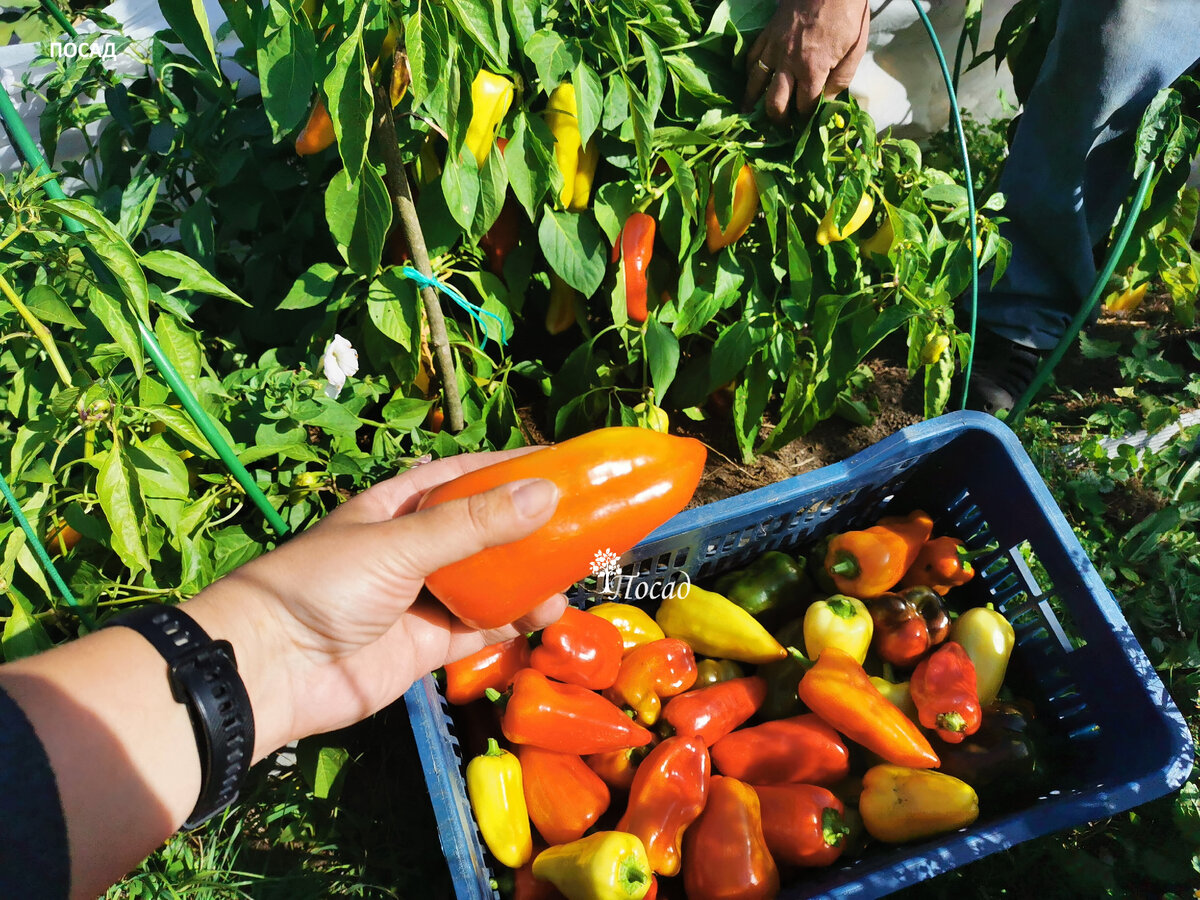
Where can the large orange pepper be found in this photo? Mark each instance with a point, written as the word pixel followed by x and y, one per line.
pixel 650 674
pixel 745 208
pixel 566 717
pixel 801 748
pixel 838 690
pixel 635 245
pixel 725 852
pixel 942 563
pixel 667 795
pixel 615 485
pixel 580 649
pixel 564 797
pixel 317 134
pixel 865 564
pixel 802 823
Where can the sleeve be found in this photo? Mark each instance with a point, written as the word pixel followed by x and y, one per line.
pixel 34 859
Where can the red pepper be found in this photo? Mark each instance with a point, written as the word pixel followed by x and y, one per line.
pixel 907 624
pixel 802 748
pixel 566 718
pixel 865 564
pixel 635 245
pixel 526 887
pixel 493 667
pixel 564 796
pixel 725 854
pixel 668 794
pixel 649 674
pixel 713 711
pixel 802 823
pixel 943 687
pixel 503 237
pixel 618 767
pixel 943 563
pixel 580 649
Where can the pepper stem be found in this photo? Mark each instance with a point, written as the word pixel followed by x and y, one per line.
pixel 493 748
pixel 951 721
pixel 965 555
pixel 846 566
pixel 840 606
pixel 800 658
pixel 833 827
pixel 632 877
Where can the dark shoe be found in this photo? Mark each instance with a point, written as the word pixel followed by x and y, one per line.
pixel 1002 371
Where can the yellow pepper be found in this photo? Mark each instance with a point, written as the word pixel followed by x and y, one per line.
pixel 491 96
pixel 560 314
pixel 881 241
pixel 497 795
pixel 562 117
pixel 714 626
pixel 900 804
pixel 988 639
pixel 606 865
pixel 653 417
pixel 635 624
pixel 932 349
pixel 745 208
pixel 585 174
pixel 841 622
pixel 1127 300
pixel 828 232
pixel 896 693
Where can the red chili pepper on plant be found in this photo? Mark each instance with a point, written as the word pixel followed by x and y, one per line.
pixel 943 687
pixel 504 235
pixel 865 564
pixel 907 624
pixel 667 795
pixel 802 748
pixel 651 673
pixel 802 824
pixel 566 718
pixel 635 247
pixel 580 649
pixel 564 797
pixel 493 667
pixel 713 711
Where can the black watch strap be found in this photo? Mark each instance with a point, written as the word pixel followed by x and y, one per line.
pixel 203 676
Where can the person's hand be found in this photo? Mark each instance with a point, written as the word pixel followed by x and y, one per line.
pixel 340 606
pixel 810 48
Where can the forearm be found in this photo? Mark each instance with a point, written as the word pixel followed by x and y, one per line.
pixel 123 751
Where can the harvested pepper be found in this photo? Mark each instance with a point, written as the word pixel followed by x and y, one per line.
pixel 564 797
pixel 943 687
pixel 1001 758
pixel 560 314
pixel 802 823
pixel 526 887
pixel 802 748
pixel 605 865
pixel 988 638
pixel 616 768
pixel 668 793
pixel 907 624
pixel 725 853
pixel 828 231
pixel 775 583
pixel 566 718
pixel 838 621
pixel 615 486
pixel 865 564
pixel 496 791
pixel 317 133
pixel 633 249
pixel 713 626
pixel 714 671
pixel 635 624
pixel 491 96
pixel 711 712
pixel 943 563
pixel 493 667
pixel 838 690
pixel 897 694
pixel 585 174
pixel 745 208
pixel 650 674
pixel 783 676
pixel 579 649
pixel 901 804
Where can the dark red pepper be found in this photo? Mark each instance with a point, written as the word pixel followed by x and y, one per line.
pixel 635 245
pixel 580 649
pixel 907 624
pixel 802 823
pixel 667 795
pixel 711 712
pixel 943 687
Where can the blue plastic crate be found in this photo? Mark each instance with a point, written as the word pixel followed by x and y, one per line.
pixel 1076 657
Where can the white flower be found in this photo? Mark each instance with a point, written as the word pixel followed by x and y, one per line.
pixel 339 363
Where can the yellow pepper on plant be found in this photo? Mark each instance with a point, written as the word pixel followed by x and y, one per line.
pixel 828 231
pixel 562 116
pixel 745 208
pixel 491 97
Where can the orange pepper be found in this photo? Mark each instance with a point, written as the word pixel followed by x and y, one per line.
pixel 868 563
pixel 667 795
pixel 564 797
pixel 317 134
pixel 493 667
pixel 650 674
pixel 725 851
pixel 941 564
pixel 745 208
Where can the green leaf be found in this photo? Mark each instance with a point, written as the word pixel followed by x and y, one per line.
pixel 574 248
pixel 800 275
pixel 693 79
pixel 1160 120
pixel 359 214
pixel 461 187
pixel 394 307
pixel 351 105
pixel 403 413
pixel 161 473
pixel 189 21
pixel 323 767
pixel 731 353
pixel 85 214
pixel 23 634
pixel 121 500
pixel 182 349
pixel 529 160
pixel 937 385
pixel 313 288
pixel 589 100
pixel 111 313
pixel 552 57
pixel 287 54
pixel 45 303
pixel 137 200
pixel 181 424
pixel 191 275
pixel 484 22
pixel 662 352
pixel 642 119
pixel 120 259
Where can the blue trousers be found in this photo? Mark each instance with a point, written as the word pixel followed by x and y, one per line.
pixel 1071 162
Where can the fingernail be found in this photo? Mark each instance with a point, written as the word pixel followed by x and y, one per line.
pixel 532 497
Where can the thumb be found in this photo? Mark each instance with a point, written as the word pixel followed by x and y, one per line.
pixel 456 529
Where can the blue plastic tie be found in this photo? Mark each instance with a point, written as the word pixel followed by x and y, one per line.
pixel 473 310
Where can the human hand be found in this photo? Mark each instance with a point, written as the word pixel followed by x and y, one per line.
pixel 339 604
pixel 809 48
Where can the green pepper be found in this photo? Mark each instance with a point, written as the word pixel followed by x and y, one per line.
pixel 773 583
pixel 1001 759
pixel 783 677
